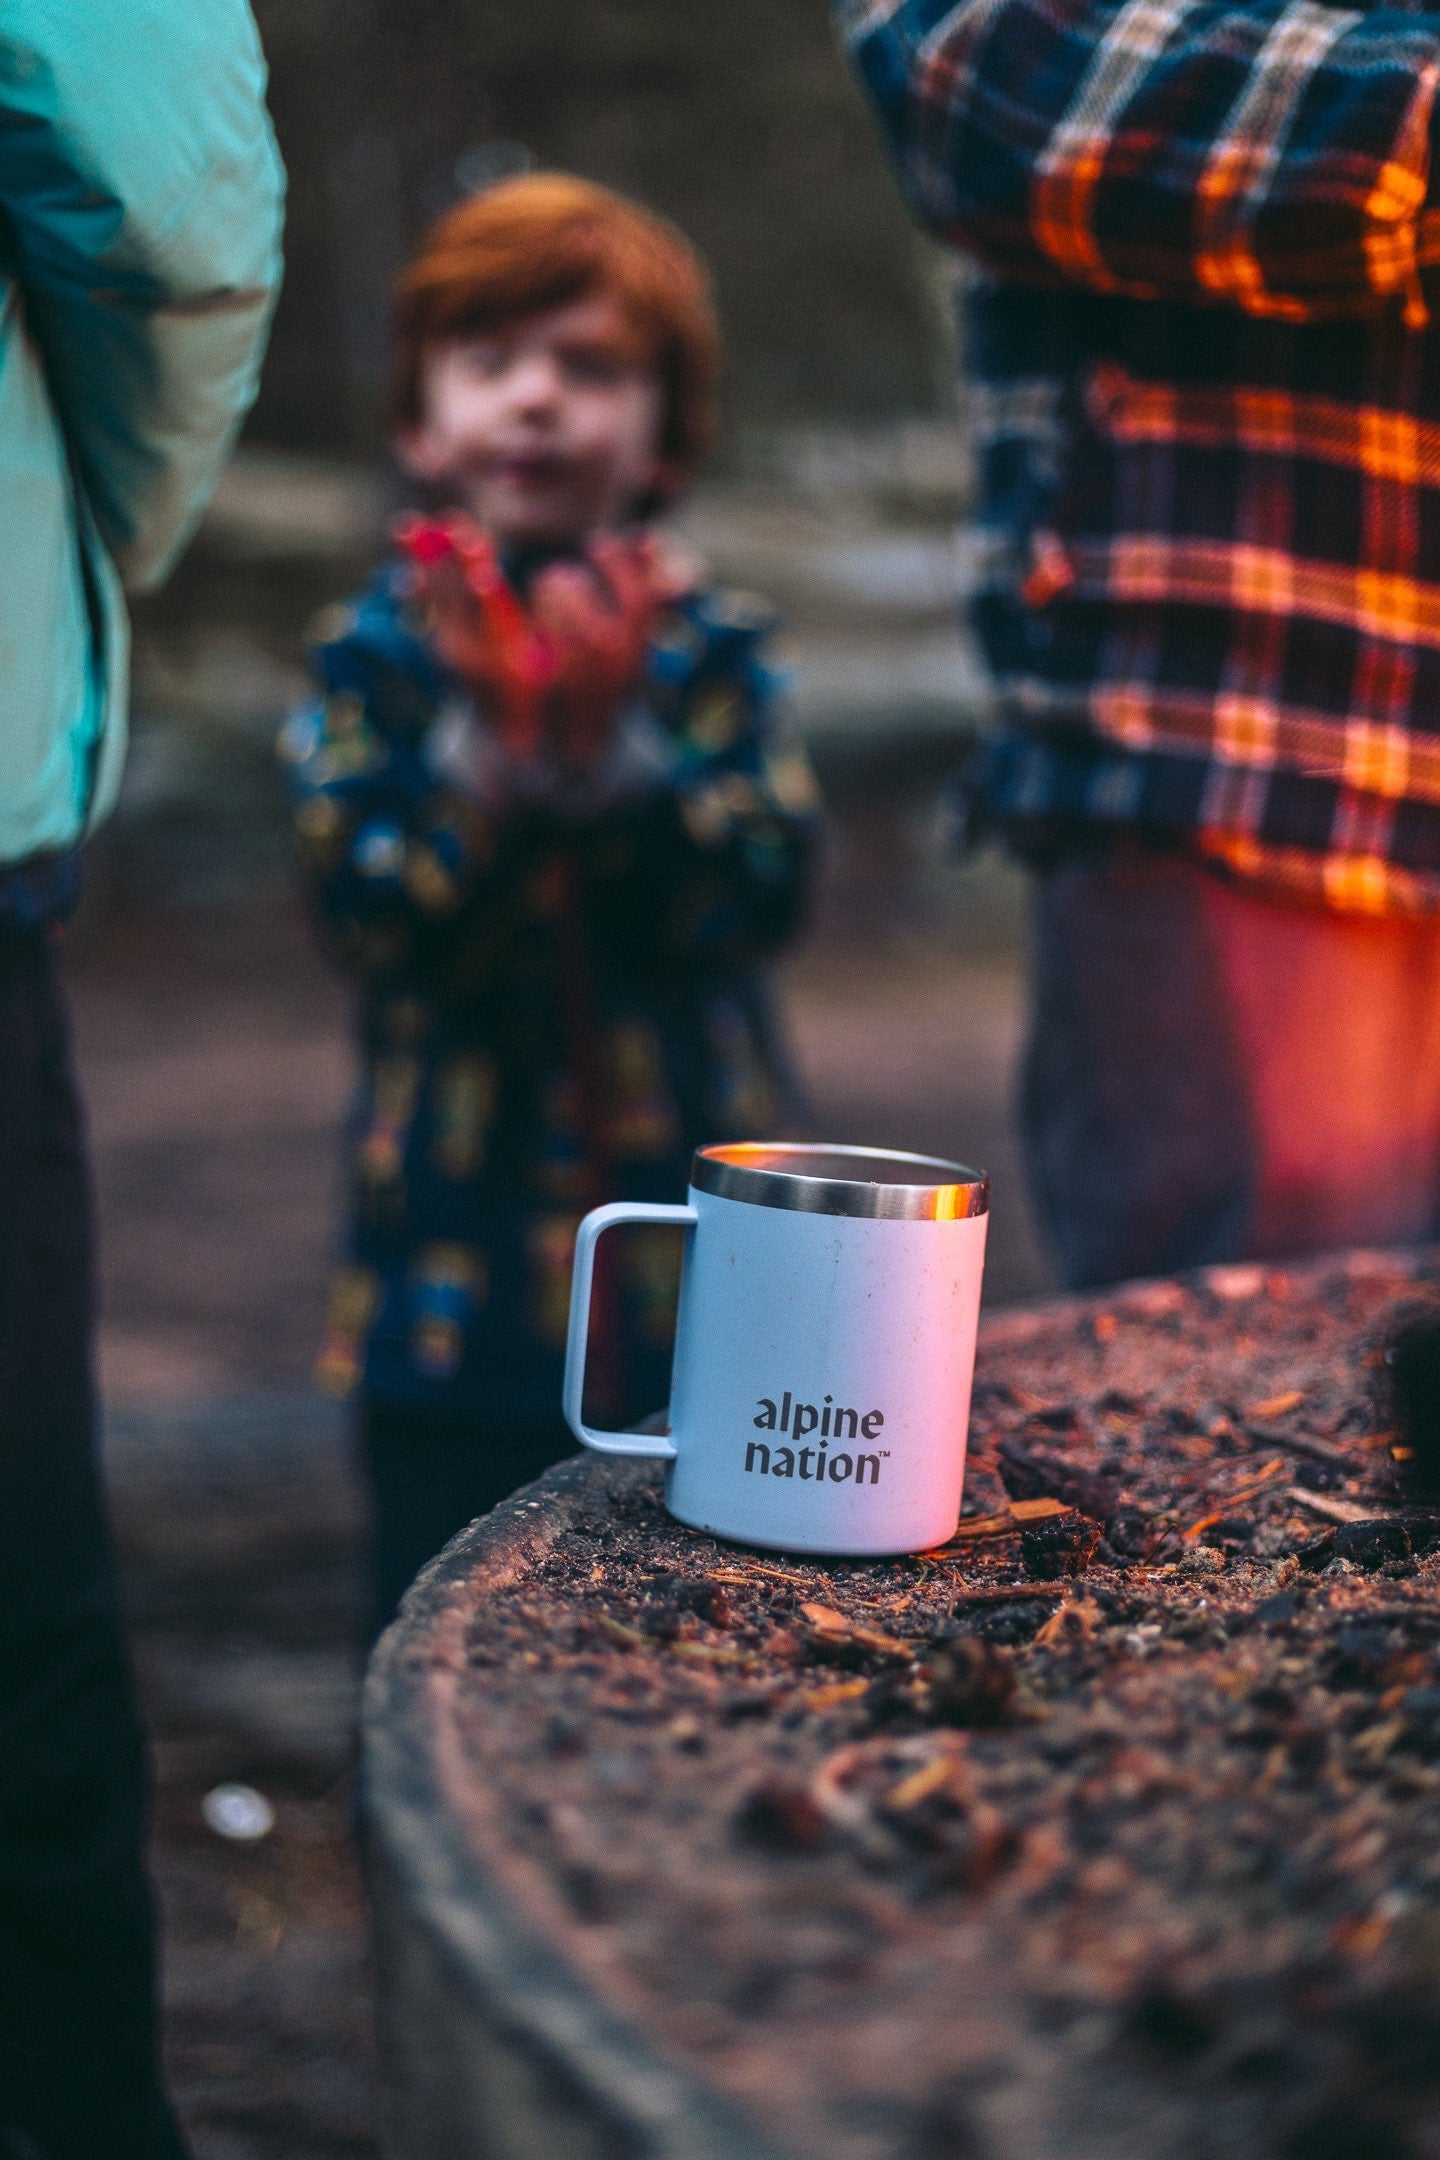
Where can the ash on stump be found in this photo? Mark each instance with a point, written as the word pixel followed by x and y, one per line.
pixel 1109 1832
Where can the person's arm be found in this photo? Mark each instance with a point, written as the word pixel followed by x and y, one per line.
pixel 402 863
pixel 710 866
pixel 1272 154
pixel 142 194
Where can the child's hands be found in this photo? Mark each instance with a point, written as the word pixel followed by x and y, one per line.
pixel 560 669
pixel 481 631
pixel 595 619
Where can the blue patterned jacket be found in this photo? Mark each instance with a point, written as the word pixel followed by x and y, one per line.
pixel 559 993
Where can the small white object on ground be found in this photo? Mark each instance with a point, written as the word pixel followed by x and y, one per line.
pixel 238 1812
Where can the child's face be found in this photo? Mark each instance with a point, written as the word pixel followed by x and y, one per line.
pixel 547 429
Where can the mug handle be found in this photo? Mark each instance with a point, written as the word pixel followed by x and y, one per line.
pixel 591 1230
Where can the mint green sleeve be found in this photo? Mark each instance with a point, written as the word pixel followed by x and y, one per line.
pixel 142 193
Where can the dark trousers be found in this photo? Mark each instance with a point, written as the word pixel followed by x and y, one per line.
pixel 429 1473
pixel 1217 1072
pixel 78 2062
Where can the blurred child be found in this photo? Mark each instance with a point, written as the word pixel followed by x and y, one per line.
pixel 546 834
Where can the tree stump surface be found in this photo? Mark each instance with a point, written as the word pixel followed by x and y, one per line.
pixel 1110 1829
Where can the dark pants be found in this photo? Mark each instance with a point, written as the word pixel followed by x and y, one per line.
pixel 1217 1072
pixel 78 2064
pixel 430 1473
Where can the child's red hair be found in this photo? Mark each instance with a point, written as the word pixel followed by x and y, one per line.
pixel 543 240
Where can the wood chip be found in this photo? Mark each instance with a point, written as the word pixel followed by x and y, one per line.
pixel 1376 1741
pixel 765 1569
pixel 1010 1594
pixel 1335 1510
pixel 1007 1520
pixel 1078 1619
pixel 699 1653
pixel 1237 1498
pixel 830 1626
pixel 1276 1405
pixel 1304 1444
pixel 846 1810
pixel 834 1693
pixel 947 1771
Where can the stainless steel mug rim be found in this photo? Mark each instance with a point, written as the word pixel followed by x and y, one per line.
pixel 816 1179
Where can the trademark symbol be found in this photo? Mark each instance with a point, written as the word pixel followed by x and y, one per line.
pixel 886 1453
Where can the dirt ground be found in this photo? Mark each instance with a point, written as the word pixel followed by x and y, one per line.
pixel 213 1046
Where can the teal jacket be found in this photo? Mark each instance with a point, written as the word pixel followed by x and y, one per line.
pixel 141 194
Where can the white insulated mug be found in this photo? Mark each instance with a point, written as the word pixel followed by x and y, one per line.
pixel 824 1347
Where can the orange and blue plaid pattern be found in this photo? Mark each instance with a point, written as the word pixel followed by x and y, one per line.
pixel 1204 561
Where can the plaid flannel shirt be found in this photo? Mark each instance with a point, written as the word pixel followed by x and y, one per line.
pixel 1205 365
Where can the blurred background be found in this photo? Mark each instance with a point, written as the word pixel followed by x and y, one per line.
pixel 213 1038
